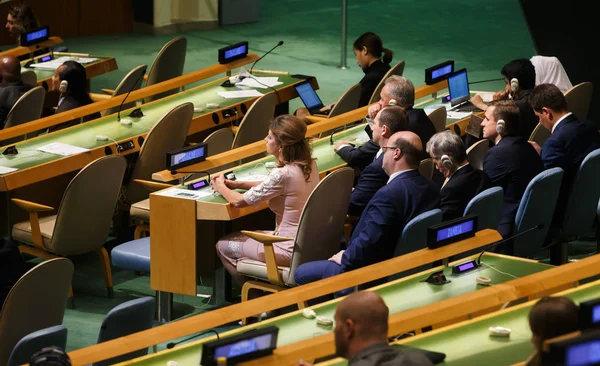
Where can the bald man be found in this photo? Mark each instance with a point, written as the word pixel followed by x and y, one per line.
pixel 11 86
pixel 361 332
pixel 406 195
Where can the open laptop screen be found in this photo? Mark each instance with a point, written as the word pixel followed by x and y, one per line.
pixel 309 96
pixel 458 87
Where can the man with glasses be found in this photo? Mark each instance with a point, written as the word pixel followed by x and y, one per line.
pixel 406 195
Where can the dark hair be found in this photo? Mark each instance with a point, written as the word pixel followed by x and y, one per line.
pixel 24 15
pixel 411 154
pixel 394 118
pixel 549 96
pixel 507 110
pixel 74 73
pixel 552 317
pixel 521 69
pixel 290 132
pixel 374 46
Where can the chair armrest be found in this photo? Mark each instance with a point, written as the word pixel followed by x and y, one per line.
pixel 108 91
pixel 272 270
pixel 154 186
pixel 31 206
pixel 145 77
pixel 315 118
pixel 96 97
pixel 235 129
pixel 266 239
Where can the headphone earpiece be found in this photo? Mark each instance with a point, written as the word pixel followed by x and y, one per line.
pixel 500 126
pixel 63 86
pixel 514 85
pixel 446 161
pixel 393 102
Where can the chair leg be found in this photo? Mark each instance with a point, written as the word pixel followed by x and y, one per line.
pixel 302 305
pixel 141 231
pixel 256 285
pixel 105 262
pixel 71 299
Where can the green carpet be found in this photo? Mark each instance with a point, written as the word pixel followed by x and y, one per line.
pixel 481 36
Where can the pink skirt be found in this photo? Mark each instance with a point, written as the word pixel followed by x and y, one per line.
pixel 236 246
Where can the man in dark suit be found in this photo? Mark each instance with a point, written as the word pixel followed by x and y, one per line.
pixel 512 163
pixel 387 122
pixel 399 91
pixel 463 181
pixel 11 86
pixel 406 195
pixel 571 140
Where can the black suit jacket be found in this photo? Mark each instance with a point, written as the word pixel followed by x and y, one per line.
pixel 511 164
pixel 462 186
pixel 372 78
pixel 359 157
pixel 571 141
pixel 370 180
pixel 10 92
pixel 420 124
pixel 527 118
pixel 67 104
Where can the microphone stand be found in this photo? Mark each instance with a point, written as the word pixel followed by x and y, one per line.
pixel 536 227
pixel 136 112
pixel 261 57
pixel 173 344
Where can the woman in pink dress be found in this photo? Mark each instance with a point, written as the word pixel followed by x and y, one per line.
pixel 286 189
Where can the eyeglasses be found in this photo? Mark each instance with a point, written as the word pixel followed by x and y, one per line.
pixel 370 121
pixel 385 148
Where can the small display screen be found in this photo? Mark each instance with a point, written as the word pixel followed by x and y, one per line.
pixel 441 71
pixel 244 347
pixel 41 33
pixel 583 354
pixel 199 184
pixel 455 230
pixel 187 156
pixel 239 50
pixel 596 314
pixel 466 266
pixel 46 58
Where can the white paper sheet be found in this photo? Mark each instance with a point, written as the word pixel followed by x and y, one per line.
pixel 54 64
pixel 458 115
pixel 487 96
pixel 260 82
pixel 240 94
pixel 185 193
pixel 5 170
pixel 61 149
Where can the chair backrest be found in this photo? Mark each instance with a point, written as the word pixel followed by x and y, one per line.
pixel 86 210
pixel 321 223
pixel 414 237
pixel 36 301
pixel 168 64
pixel 255 123
pixel 438 118
pixel 35 341
pixel 583 197
pixel 579 98
pixel 397 69
pixel 540 134
pixel 537 207
pixel 168 134
pixel 27 108
pixel 347 102
pixel 476 153
pixel 130 317
pixel 131 82
pixel 29 77
pixel 218 142
pixel 426 168
pixel 487 205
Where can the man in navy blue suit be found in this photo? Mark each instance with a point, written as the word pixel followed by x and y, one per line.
pixel 512 163
pixel 571 140
pixel 406 195
pixel 387 122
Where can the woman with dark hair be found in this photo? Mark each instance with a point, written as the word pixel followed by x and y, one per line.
pixel 286 189
pixel 20 19
pixel 70 80
pixel 374 60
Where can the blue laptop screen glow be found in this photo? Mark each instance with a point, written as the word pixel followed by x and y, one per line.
pixel 308 95
pixel 458 86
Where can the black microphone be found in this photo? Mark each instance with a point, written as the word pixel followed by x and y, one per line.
pixel 334 131
pixel 173 344
pixel 261 57
pixel 189 175
pixel 139 110
pixel 536 227
pixel 484 81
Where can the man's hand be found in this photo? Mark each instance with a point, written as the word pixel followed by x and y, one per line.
pixel 337 258
pixel 304 363
pixel 536 146
pixel 499 95
pixel 373 110
pixel 339 144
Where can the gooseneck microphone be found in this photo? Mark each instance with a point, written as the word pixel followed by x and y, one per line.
pixel 484 81
pixel 261 57
pixel 536 227
pixel 334 131
pixel 173 344
pixel 129 92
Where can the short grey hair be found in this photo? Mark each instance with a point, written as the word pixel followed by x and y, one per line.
pixel 447 143
pixel 401 89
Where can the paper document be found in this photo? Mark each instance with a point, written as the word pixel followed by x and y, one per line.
pixel 55 63
pixel 240 94
pixel 5 170
pixel 185 193
pixel 458 115
pixel 487 96
pixel 260 82
pixel 61 149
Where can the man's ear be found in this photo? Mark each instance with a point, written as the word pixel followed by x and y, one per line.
pixel 350 328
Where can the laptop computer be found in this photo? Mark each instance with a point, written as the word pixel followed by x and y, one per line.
pixel 309 97
pixel 458 87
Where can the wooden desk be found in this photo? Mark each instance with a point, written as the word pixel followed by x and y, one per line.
pixel 24 50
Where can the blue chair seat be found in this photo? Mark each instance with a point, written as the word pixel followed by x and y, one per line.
pixel 133 255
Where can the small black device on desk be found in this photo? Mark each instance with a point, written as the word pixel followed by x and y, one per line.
pixel 451 231
pixel 186 156
pixel 247 346
pixel 35 36
pixel 233 52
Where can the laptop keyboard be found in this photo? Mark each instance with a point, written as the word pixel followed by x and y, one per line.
pixel 466 107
